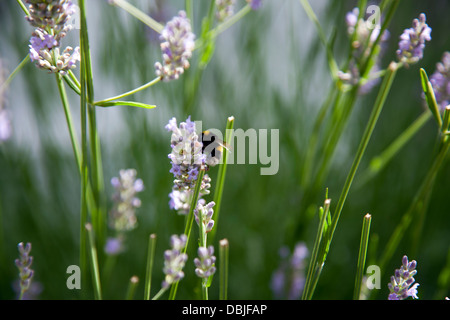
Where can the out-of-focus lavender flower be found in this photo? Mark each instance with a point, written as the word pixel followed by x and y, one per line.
pixel 187 158
pixel 440 80
pixel 224 9
pixel 176 46
pixel 114 246
pixel 52 15
pixel 123 216
pixel 365 35
pixel 206 213
pixel 412 41
pixel 174 260
pixel 288 280
pixel 205 263
pixel 255 4
pixel 32 293
pixel 5 118
pixel 24 265
pixel 400 285
pixel 5 125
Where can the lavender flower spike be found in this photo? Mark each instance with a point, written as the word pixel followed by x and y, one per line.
pixel 205 263
pixel 207 213
pixel 174 260
pixel 440 80
pixel 24 265
pixel 400 285
pixel 412 41
pixel 187 158
pixel 176 46
pixel 122 216
pixel 54 15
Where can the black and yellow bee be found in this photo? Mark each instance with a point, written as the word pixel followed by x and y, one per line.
pixel 212 148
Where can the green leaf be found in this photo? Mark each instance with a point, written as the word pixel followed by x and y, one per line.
pixel 125 103
pixel 430 97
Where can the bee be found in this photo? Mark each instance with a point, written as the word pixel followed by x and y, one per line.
pixel 213 148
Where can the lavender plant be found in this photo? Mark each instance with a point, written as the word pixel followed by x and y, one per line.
pixel 184 52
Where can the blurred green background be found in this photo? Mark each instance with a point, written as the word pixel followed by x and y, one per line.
pixel 269 71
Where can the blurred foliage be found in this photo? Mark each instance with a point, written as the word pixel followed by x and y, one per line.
pixel 268 71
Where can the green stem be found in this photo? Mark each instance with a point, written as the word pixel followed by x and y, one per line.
pixel 330 57
pixel 70 125
pixel 223 269
pixel 160 293
pixel 150 260
pixel 220 181
pixel 313 268
pixel 24 8
pixel 379 162
pixel 94 263
pixel 418 202
pixel 140 15
pixel 99 217
pixel 145 86
pixel 212 34
pixel 188 227
pixel 378 107
pixel 362 255
pixel 14 73
pixel 189 10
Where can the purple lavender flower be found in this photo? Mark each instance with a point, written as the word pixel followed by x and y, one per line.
pixel 400 285
pixel 288 280
pixel 52 15
pixel 186 157
pixel 207 213
pixel 255 4
pixel 440 80
pixel 114 246
pixel 45 52
pixel 24 265
pixel 122 216
pixel 176 46
pixel 205 263
pixel 5 125
pixel 174 260
pixel 5 117
pixel 412 41
pixel 52 21
pixel 364 39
